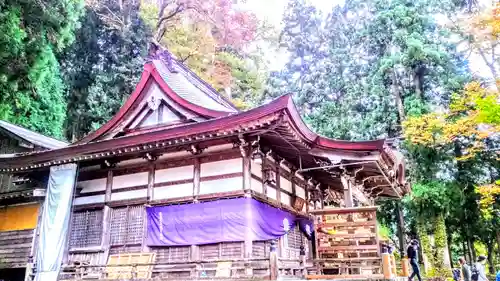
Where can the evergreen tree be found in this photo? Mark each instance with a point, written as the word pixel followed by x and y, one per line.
pixel 104 67
pixel 302 36
pixel 31 35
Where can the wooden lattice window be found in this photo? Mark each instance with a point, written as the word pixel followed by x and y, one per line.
pixel 261 249
pixel 86 229
pixel 291 243
pixel 127 226
pixel 226 250
pixel 172 254
pixel 294 238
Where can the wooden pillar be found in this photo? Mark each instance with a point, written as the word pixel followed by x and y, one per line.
pixel 347 184
pixel 247 173
pixel 151 181
pixel 106 217
pixel 109 186
pixel 307 200
pixel 273 261
pixel 196 177
pixel 195 249
pixel 278 183
pixel 263 178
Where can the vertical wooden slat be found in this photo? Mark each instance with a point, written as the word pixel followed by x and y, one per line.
pixel 109 186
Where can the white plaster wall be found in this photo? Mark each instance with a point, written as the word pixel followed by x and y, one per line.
pixel 174 174
pixel 300 192
pixel 130 180
pixel 286 199
pixel 115 196
pixel 173 191
pixel 89 200
pixel 222 167
pixel 271 192
pixel 221 185
pixel 92 185
pixel 256 169
pixel 285 184
pixel 256 185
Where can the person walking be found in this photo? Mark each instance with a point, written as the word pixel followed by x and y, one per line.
pixel 412 253
pixel 478 271
pixel 466 274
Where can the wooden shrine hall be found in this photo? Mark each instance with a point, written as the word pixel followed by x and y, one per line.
pixel 181 184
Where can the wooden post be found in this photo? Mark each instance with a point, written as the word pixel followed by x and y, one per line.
pixel 278 183
pixel 386 266
pixel 195 249
pixel 196 177
pixel 347 184
pixel 247 173
pixel 151 181
pixel 109 186
pixel 106 233
pixel 263 180
pixel 273 261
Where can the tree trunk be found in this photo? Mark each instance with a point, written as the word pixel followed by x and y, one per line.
pixel 472 251
pixel 401 230
pixel 491 253
pixel 417 82
pixel 449 249
pixel 465 252
pixel 397 96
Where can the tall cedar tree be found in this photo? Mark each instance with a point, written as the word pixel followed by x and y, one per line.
pixel 103 68
pixel 31 34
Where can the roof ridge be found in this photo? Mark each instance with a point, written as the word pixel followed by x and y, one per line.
pixel 165 56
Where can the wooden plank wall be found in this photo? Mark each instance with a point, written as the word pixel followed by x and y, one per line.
pixel 15 247
pixel 110 208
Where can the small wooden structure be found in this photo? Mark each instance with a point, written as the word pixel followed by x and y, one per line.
pixel 347 242
pixel 177 142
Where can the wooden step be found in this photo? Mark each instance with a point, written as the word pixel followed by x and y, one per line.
pixel 348 277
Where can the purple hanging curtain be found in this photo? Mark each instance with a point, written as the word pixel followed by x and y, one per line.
pixel 229 220
pixel 306 226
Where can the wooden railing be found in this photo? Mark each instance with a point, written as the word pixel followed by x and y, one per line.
pixel 256 269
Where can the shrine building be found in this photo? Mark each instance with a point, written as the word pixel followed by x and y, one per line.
pixel 181 184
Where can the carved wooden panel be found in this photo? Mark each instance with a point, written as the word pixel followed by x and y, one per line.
pixel 86 229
